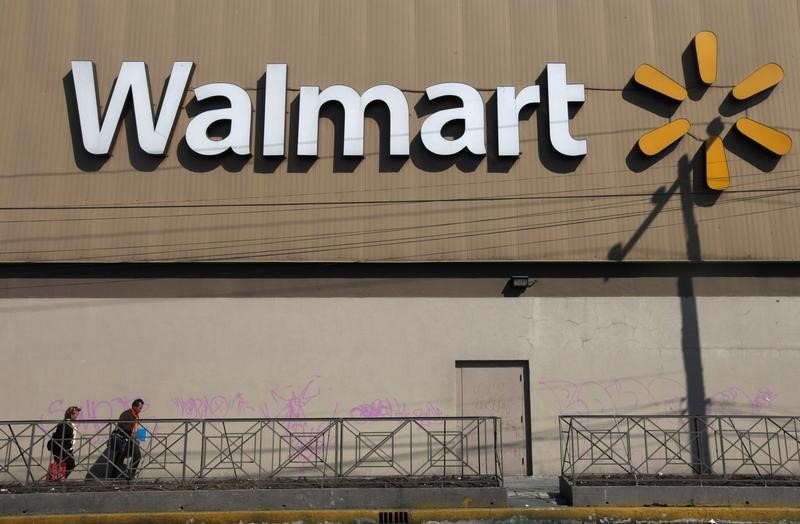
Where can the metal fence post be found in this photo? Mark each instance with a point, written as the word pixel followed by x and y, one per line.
pixel 461 447
pixel 30 453
pixel 444 446
pixel 202 449
pixel 337 458
pixel 498 447
pixel 561 442
pixel 721 445
pixel 185 449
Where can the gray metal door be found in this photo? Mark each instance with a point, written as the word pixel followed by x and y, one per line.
pixel 500 389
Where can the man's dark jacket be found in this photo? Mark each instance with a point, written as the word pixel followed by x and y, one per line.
pixel 127 423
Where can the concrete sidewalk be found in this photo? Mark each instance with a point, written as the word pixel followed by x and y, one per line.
pixel 529 492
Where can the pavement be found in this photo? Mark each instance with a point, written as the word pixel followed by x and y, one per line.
pixel 531 492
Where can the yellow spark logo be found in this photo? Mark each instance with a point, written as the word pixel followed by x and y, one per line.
pixel 765 77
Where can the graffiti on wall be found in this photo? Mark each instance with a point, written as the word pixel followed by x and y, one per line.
pixel 656 394
pixel 394 408
pixel 214 406
pixel 287 402
pixel 736 401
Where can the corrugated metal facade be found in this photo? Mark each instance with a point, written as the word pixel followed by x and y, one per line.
pixel 60 204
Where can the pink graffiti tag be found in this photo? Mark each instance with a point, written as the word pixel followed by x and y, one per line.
pixel 217 406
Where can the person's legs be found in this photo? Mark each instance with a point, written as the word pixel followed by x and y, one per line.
pixel 69 460
pixel 55 464
pixel 135 454
pixel 116 454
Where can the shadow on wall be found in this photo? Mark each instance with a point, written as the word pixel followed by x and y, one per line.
pixel 690 186
pixel 757 156
pixel 696 400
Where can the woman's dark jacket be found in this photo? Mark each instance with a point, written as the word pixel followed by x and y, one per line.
pixel 61 441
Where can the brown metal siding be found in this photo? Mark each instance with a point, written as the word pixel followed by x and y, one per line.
pixel 539 207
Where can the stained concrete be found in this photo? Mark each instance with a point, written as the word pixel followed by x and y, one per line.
pixel 718 496
pixel 534 491
pixel 250 500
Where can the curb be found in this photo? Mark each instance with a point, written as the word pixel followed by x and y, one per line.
pixel 652 514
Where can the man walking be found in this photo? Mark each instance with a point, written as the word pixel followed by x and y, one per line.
pixel 123 442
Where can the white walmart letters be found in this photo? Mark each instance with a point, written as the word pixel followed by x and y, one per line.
pixel 153 136
pixel 471 113
pixel 238 140
pixel 354 105
pixel 132 77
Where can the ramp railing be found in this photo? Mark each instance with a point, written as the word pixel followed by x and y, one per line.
pixel 652 449
pixel 192 451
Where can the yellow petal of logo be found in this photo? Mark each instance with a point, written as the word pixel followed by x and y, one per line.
pixel 659 139
pixel 760 80
pixel 772 139
pixel 650 77
pixel 716 165
pixel 705 45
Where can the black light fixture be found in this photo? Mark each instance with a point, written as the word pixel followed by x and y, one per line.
pixel 519 282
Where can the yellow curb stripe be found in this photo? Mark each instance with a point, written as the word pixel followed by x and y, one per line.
pixel 761 514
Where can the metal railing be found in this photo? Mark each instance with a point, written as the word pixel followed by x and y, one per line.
pixel 653 449
pixel 192 451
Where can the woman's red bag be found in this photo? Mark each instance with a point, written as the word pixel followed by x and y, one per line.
pixel 56 471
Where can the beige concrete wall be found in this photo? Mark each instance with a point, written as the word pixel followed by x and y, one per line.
pixel 57 204
pixel 340 357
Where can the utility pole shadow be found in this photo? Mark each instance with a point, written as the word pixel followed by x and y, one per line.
pixel 696 401
pixel 690 325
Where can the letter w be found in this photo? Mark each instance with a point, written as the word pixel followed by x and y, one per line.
pixel 153 137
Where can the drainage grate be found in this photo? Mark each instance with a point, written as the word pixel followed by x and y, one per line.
pixel 393 517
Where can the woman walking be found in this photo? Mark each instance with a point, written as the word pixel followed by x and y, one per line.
pixel 62 443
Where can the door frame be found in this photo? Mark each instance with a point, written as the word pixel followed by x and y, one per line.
pixel 526 392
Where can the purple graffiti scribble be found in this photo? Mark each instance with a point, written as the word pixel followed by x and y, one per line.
pixel 217 406
pixel 291 402
pixel 295 401
pixel 657 395
pixel 308 441
pixel 394 408
pixel 764 397
pixel 623 395
pixel 735 401
pixel 380 408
